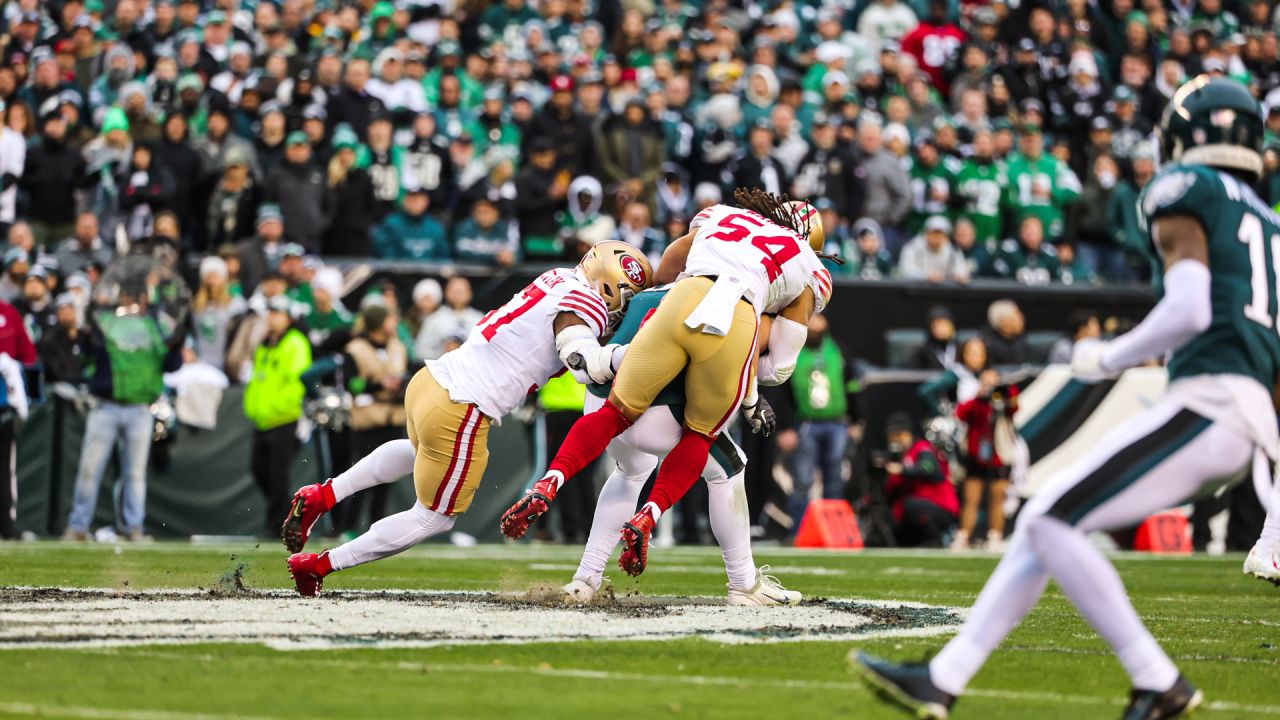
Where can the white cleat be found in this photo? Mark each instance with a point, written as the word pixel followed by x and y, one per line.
pixel 1264 563
pixel 767 591
pixel 578 593
pixel 995 541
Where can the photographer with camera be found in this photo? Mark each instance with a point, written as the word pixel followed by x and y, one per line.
pixel 987 414
pixel 917 486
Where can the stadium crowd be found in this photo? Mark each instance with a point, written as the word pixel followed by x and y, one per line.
pixel 942 141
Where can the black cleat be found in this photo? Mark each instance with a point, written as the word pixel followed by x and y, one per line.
pixel 908 685
pixel 1176 702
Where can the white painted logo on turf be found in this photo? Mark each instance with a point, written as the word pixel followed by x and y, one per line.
pixel 282 621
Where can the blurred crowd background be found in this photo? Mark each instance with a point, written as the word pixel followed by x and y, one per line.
pixel 262 149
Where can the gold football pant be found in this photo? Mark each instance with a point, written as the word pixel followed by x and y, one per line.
pixel 720 368
pixel 451 441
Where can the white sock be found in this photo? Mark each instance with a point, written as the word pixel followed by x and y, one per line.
pixel 391 535
pixel 387 463
pixel 727 505
pixel 1271 527
pixel 615 506
pixel 1012 590
pixel 1093 586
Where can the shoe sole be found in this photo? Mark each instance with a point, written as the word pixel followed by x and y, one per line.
pixel 635 545
pixel 1266 578
pixel 1197 698
pixel 888 691
pixel 292 531
pixel 528 519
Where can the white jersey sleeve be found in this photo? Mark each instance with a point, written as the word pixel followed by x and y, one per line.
pixel 511 352
pixel 774 262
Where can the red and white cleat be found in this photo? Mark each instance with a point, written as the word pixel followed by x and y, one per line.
pixel 309 504
pixel 308 571
pixel 517 519
pixel 635 543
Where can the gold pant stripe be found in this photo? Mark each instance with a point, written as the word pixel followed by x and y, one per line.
pixel 452 444
pixel 719 366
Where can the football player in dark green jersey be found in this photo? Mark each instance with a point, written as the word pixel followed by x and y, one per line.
pixel 1217 320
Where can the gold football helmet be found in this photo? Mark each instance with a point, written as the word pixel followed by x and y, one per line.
pixel 808 215
pixel 617 271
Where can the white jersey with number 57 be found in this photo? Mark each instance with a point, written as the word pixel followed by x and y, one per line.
pixel 512 350
pixel 775 262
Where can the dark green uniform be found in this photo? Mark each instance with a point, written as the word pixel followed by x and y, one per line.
pixel 725 452
pixel 1242 338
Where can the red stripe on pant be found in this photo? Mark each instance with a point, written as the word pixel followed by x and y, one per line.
pixel 453 462
pixel 466 467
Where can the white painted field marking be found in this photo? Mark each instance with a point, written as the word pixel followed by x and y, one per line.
pixel 425 619
pixel 708 569
pixel 90 713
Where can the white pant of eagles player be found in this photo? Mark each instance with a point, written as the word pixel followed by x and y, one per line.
pixel 1197 438
pixel 636 453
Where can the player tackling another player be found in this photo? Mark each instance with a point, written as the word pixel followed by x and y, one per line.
pixel 734 264
pixel 554 322
pixel 637 452
pixel 1220 318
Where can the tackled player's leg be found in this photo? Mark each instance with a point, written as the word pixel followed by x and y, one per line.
pixel 1157 460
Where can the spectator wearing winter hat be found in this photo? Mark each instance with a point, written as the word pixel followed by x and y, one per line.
pixel 219 139
pixel 402 96
pixel 353 199
pixel 887 187
pixel 427 295
pixel 1041 184
pixel 866 257
pixel 485 237
pixel 329 323
pixel 931 256
pixel 261 253
pixel 383 159
pixel 410 233
pixel 212 311
pixel 569 132
pixel 84 247
pixel 35 305
pixel 52 168
pixel 63 350
pixel 233 204
pixel 301 190
pixel 456 314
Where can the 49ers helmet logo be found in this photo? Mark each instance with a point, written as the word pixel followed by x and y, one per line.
pixel 633 269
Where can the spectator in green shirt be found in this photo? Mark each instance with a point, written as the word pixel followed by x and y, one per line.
pixel 1040 184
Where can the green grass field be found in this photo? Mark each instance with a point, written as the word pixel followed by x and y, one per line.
pixel 1222 628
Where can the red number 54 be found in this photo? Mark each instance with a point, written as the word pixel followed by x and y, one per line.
pixel 777 249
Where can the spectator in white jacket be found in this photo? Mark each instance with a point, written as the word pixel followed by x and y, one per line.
pixel 885 20
pixel 931 256
pixel 455 317
pixel 13 158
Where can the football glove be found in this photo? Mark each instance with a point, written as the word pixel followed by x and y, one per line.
pixel 760 416
pixel 1086 361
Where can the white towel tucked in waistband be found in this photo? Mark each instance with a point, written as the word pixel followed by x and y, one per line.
pixel 714 315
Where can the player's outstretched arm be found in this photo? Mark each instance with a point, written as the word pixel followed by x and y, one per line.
pixel 673 259
pixel 1183 313
pixel 786 338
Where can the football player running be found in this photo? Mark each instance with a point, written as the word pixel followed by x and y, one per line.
pixel 734 265
pixel 451 402
pixel 637 452
pixel 1218 318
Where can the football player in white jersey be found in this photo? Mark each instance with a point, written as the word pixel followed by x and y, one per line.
pixel 735 264
pixel 451 402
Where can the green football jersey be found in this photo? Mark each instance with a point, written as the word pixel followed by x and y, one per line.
pixel 1244 241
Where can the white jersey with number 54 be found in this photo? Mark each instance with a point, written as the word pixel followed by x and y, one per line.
pixel 775 262
pixel 512 350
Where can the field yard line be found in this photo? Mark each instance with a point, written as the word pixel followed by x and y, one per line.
pixel 714 680
pixel 90 713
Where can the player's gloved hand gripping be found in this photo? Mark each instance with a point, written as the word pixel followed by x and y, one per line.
pixel 759 414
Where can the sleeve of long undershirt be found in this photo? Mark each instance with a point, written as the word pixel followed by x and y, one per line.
pixel 1184 312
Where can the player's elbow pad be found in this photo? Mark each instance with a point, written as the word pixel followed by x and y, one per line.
pixel 786 339
pixel 581 353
